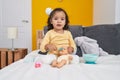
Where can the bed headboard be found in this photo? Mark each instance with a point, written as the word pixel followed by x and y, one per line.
pixel 40 35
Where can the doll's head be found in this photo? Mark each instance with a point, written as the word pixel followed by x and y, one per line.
pixel 60 51
pixel 63 51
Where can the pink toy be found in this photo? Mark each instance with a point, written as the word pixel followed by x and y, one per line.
pixel 37 65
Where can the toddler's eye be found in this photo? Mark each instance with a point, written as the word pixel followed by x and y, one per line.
pixel 55 18
pixel 62 19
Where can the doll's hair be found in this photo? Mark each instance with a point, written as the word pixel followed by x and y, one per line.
pixel 50 26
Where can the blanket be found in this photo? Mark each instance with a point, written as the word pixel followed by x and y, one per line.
pixel 107 68
pixel 89 45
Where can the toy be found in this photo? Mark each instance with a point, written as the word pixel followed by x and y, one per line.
pixel 90 58
pixel 63 58
pixel 37 64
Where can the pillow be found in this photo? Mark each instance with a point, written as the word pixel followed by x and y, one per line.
pixel 107 36
pixel 45 59
pixel 76 30
pixel 45 29
pixel 29 58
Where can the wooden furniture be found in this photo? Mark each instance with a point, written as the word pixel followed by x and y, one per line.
pixel 8 56
pixel 40 35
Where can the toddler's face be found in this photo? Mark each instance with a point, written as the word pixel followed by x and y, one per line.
pixel 58 20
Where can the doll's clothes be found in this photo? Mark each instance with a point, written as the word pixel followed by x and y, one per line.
pixel 64 57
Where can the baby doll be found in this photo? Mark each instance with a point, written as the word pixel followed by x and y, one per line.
pixel 63 58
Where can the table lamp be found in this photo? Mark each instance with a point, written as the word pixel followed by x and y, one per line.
pixel 12 34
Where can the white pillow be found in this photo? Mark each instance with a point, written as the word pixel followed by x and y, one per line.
pixel 45 59
pixel 30 57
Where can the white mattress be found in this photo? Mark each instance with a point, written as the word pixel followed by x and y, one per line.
pixel 107 68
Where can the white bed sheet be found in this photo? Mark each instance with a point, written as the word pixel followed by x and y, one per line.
pixel 107 68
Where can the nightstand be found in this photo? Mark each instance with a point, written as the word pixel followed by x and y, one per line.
pixel 8 56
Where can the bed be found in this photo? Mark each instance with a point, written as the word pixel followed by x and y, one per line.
pixel 106 68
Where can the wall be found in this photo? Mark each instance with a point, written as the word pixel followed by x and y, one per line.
pixel 0 21
pixel 117 11
pixel 16 15
pixel 80 12
pixel 106 11
pixel 0 12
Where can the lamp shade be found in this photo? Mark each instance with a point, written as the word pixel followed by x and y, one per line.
pixel 12 32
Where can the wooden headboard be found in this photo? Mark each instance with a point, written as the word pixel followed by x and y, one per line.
pixel 40 35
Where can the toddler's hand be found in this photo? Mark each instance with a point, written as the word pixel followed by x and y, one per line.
pixel 70 49
pixel 50 47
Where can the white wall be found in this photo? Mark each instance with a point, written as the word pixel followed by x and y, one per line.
pixel 16 15
pixel 117 11
pixel 106 11
pixel 0 12
pixel 0 19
